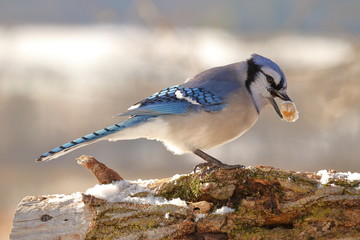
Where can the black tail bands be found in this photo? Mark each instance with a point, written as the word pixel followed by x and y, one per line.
pixel 91 138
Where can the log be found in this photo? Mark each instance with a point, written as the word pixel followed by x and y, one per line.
pixel 52 217
pixel 244 203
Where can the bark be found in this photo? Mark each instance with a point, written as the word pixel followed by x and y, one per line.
pixel 268 203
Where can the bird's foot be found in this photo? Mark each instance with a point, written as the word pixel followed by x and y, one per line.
pixel 210 167
pixel 212 163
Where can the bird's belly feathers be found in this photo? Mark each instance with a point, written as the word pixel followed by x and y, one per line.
pixel 205 131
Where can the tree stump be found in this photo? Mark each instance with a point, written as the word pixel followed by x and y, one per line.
pixel 245 203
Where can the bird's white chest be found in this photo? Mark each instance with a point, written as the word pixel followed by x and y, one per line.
pixel 186 133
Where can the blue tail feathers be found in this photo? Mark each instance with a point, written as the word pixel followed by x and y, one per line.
pixel 91 138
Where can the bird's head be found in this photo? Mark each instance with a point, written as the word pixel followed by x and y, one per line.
pixel 265 82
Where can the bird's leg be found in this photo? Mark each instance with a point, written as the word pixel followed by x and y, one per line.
pixel 211 161
pixel 207 157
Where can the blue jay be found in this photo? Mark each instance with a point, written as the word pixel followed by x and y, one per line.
pixel 212 108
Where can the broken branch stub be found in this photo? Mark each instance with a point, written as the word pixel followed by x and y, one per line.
pixel 102 173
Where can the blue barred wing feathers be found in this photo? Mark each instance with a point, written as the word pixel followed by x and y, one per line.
pixel 177 100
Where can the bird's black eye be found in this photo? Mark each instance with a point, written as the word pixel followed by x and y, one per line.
pixel 270 79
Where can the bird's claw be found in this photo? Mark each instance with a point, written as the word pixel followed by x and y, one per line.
pixel 212 166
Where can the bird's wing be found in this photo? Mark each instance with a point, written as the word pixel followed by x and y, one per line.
pixel 177 100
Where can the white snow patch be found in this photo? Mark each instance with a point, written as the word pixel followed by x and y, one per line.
pixel 354 177
pixel 224 210
pixel 326 176
pixel 176 176
pixel 123 191
pixel 143 183
pixel 175 201
pixel 199 216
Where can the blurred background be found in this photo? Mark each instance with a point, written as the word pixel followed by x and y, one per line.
pixel 67 67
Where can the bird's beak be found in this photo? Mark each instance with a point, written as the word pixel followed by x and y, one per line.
pixel 281 95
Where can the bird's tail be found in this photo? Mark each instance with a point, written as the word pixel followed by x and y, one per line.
pixel 91 138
